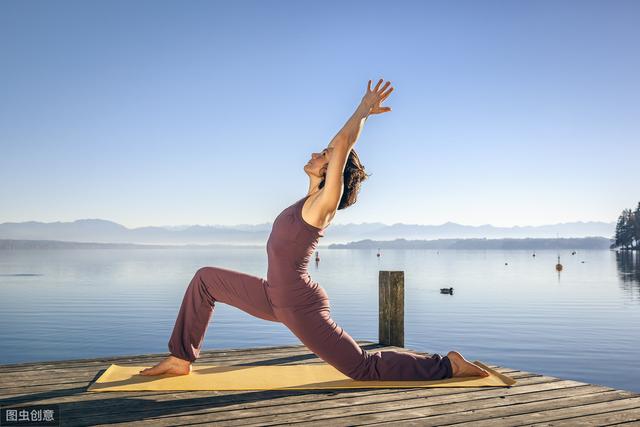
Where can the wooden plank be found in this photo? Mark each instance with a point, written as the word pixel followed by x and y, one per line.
pixel 586 406
pixel 524 412
pixel 624 415
pixel 387 413
pixel 263 408
pixel 448 411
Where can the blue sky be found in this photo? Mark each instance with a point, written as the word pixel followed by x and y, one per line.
pixel 168 113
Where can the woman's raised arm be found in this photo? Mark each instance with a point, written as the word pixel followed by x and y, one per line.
pixel 342 144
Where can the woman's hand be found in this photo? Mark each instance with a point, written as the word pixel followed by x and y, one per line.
pixel 373 98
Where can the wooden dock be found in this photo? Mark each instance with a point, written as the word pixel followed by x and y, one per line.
pixel 535 400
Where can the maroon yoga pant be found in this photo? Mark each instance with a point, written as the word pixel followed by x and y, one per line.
pixel 310 321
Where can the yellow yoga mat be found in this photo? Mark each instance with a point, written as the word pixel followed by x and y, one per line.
pixel 279 377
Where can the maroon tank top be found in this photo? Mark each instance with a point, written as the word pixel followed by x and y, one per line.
pixel 291 243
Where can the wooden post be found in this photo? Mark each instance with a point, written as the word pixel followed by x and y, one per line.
pixel 391 308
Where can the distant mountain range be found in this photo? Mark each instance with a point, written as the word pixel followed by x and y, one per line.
pixel 103 231
pixel 504 244
pixel 456 244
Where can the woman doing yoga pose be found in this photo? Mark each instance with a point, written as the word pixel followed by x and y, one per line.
pixel 289 295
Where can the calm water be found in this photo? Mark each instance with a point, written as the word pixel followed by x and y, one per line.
pixel 583 324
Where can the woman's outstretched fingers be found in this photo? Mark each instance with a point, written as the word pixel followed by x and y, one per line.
pixel 386 94
pixel 374 97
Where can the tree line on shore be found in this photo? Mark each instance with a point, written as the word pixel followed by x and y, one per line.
pixel 628 230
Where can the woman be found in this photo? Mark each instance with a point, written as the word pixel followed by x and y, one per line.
pixel 289 295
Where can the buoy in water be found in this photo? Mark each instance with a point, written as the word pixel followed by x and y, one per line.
pixel 558 265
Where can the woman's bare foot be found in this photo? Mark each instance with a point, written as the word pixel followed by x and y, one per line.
pixel 170 365
pixel 463 368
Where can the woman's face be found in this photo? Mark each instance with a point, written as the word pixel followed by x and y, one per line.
pixel 318 163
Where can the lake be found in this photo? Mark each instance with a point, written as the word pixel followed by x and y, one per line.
pixel 508 307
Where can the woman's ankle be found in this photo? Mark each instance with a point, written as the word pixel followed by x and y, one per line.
pixel 180 360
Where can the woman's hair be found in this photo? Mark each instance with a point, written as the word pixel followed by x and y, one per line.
pixel 353 176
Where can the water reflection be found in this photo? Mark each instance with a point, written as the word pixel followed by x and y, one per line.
pixel 628 263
